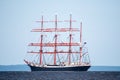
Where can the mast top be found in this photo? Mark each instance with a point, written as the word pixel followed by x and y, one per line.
pixel 56 29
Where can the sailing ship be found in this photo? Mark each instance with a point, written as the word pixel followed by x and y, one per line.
pixel 66 55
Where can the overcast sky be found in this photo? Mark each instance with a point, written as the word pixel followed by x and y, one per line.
pixel 100 18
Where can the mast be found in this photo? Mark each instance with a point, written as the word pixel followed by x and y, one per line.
pixel 70 50
pixel 55 50
pixel 80 42
pixel 70 41
pixel 41 42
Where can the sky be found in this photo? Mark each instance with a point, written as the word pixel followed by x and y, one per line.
pixel 100 18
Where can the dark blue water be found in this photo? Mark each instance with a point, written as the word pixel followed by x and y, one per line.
pixel 26 68
pixel 22 72
pixel 59 75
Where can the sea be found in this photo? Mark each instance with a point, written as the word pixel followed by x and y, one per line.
pixel 23 72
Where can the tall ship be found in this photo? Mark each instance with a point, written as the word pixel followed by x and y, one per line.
pixel 60 47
